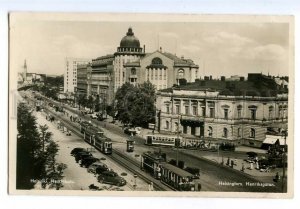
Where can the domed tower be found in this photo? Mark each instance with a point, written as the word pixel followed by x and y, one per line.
pixel 128 51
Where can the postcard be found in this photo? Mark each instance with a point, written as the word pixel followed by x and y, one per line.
pixel 112 104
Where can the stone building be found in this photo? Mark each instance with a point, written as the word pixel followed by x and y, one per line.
pixel 235 111
pixel 130 63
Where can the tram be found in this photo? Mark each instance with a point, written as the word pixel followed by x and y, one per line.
pixel 161 139
pixel 172 141
pixel 177 178
pixel 95 137
pixel 84 125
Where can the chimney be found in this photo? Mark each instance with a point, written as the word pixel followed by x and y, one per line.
pixel 160 49
pixel 144 49
pixel 210 77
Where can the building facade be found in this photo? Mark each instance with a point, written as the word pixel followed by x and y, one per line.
pixel 211 114
pixel 130 63
pixel 70 75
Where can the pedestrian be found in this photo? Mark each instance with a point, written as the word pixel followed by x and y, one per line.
pixel 232 163
pixel 228 161
pixel 243 167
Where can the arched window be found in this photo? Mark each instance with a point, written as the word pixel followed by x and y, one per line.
pixel 180 73
pixel 252 133
pixel 225 132
pixel 156 61
pixel 210 131
pixel 133 71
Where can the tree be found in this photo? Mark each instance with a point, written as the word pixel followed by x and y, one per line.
pixel 28 149
pixel 135 105
pixel 36 153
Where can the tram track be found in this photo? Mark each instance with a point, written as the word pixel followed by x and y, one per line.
pixel 117 156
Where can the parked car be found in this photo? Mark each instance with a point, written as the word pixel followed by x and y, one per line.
pixel 76 150
pixel 111 177
pixel 82 155
pixel 93 167
pixel 86 162
pixel 101 169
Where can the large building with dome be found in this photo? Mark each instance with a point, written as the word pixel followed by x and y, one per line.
pixel 130 63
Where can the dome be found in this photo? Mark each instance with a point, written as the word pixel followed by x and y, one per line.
pixel 130 40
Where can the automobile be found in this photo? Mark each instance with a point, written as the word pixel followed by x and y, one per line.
pixel 76 150
pixel 81 155
pixel 86 162
pixel 101 169
pixel 111 177
pixel 92 168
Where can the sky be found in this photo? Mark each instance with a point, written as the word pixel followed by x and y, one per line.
pixel 218 47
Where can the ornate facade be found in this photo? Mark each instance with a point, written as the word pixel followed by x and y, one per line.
pixel 199 112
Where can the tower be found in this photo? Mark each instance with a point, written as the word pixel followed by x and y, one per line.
pixel 128 51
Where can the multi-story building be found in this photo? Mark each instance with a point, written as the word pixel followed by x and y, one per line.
pixel 70 75
pixel 132 64
pixel 237 111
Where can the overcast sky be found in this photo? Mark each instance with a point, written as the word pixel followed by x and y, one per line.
pixel 218 48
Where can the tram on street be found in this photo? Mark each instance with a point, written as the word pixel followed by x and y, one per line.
pixel 177 178
pixel 95 137
pixel 161 139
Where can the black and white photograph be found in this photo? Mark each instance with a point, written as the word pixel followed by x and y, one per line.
pixel 151 105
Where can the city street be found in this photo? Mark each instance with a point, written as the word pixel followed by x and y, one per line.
pixel 213 177
pixel 76 177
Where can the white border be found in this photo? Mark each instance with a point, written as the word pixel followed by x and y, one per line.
pixel 274 7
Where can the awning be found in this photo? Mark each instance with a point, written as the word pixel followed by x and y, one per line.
pixel 271 139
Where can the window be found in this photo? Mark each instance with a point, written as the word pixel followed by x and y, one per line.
pixel 133 71
pixel 156 61
pixel 239 132
pixel 271 112
pixel 180 73
pixel 252 133
pixel 239 112
pixel 168 109
pixel 226 114
pixel 186 110
pixel 176 126
pixel 167 125
pixel 225 132
pixel 194 110
pixel 203 111
pixel 253 114
pixel 185 129
pixel 211 112
pixel 210 131
pixel 177 109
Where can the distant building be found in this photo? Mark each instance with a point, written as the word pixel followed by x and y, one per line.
pixel 70 75
pixel 240 112
pixel 25 78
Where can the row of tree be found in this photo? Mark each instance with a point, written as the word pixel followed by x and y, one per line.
pixel 135 105
pixel 36 153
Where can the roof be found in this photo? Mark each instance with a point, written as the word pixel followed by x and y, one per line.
pixel 176 170
pixel 229 88
pixel 178 60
